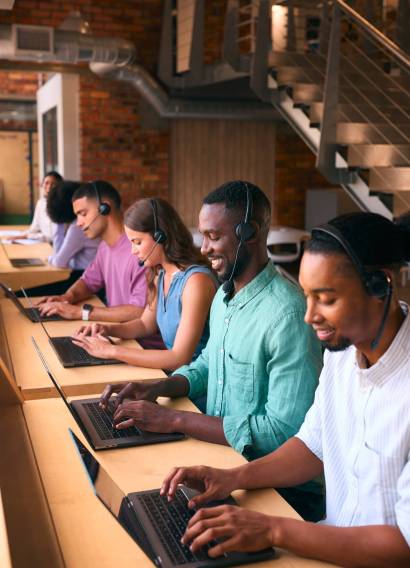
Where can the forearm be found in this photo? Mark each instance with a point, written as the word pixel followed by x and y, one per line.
pixel 201 427
pixel 78 292
pixel 155 358
pixel 291 464
pixel 352 547
pixel 116 314
pixel 130 329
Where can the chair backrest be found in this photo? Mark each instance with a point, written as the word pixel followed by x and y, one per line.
pixel 284 243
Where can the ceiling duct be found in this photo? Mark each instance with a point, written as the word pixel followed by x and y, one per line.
pixel 170 107
pixel 113 58
pixel 40 43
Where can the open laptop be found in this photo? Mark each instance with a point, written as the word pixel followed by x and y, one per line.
pixel 22 262
pixel 157 525
pixel 33 313
pixel 96 422
pixel 69 354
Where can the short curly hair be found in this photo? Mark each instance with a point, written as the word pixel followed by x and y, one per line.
pixel 59 202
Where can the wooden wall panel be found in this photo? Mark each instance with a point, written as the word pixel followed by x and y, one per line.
pixel 185 22
pixel 207 153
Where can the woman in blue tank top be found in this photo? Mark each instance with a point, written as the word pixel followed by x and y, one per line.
pixel 181 287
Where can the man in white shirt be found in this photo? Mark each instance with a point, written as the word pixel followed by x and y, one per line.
pixel 358 430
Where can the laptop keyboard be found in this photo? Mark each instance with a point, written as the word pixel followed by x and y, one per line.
pixel 170 520
pixel 35 315
pixel 77 355
pixel 102 422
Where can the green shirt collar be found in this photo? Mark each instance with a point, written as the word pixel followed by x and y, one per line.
pixel 254 287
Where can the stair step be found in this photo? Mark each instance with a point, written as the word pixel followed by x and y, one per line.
pixel 376 133
pixel 289 74
pixel 378 155
pixel 390 179
pixel 294 59
pixel 309 92
pixel 359 113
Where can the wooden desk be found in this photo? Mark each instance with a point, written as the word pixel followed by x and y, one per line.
pixel 33 275
pixel 87 533
pixel 29 372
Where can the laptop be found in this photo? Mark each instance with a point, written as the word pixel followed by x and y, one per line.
pixel 33 314
pixel 157 525
pixel 96 422
pixel 69 354
pixel 22 262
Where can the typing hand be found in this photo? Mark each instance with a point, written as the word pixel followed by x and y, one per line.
pixel 97 346
pixel 140 390
pixel 145 415
pixel 240 530
pixel 92 329
pixel 212 483
pixel 48 299
pixel 63 309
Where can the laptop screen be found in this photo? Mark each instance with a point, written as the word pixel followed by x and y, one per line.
pixel 104 487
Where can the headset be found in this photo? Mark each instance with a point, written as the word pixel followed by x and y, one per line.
pixel 244 232
pixel 376 282
pixel 104 208
pixel 159 235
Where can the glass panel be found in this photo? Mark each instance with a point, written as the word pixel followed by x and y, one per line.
pixel 50 140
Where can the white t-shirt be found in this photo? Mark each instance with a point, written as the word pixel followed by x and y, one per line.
pixel 359 426
pixel 42 227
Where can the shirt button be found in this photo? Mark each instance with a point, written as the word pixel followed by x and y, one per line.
pixel 226 320
pixel 219 382
pixel 222 350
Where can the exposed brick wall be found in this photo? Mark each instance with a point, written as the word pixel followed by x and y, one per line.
pixel 295 173
pixel 18 84
pixel 114 144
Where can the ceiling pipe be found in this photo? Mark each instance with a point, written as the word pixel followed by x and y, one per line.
pixel 114 59
pixel 171 107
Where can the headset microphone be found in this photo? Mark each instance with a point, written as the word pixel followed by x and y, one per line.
pixel 89 225
pixel 157 242
pixel 244 232
pixel 387 303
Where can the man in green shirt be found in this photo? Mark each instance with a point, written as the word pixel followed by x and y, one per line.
pixel 261 364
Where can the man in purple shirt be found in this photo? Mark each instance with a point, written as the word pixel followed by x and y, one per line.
pixel 97 206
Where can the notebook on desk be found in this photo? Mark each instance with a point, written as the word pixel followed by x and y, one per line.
pixel 32 313
pixel 157 525
pixel 96 423
pixel 22 262
pixel 69 354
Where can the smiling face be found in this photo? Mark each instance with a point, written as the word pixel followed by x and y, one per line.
pixel 220 242
pixel 144 247
pixel 338 307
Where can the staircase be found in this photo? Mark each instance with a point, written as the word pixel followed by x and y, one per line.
pixel 338 81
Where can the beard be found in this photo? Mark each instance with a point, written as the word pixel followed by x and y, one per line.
pixel 342 344
pixel 234 270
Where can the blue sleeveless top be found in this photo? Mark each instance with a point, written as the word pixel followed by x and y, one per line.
pixel 169 308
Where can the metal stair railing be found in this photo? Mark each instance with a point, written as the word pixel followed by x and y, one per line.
pixel 370 74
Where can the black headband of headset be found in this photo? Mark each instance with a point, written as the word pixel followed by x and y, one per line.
pixel 334 232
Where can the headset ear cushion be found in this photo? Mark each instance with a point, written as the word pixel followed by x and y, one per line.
pixel 159 236
pixel 377 284
pixel 244 231
pixel 104 208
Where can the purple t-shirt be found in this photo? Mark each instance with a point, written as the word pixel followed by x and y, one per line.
pixel 116 269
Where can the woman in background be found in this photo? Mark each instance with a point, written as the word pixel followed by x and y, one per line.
pixel 42 228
